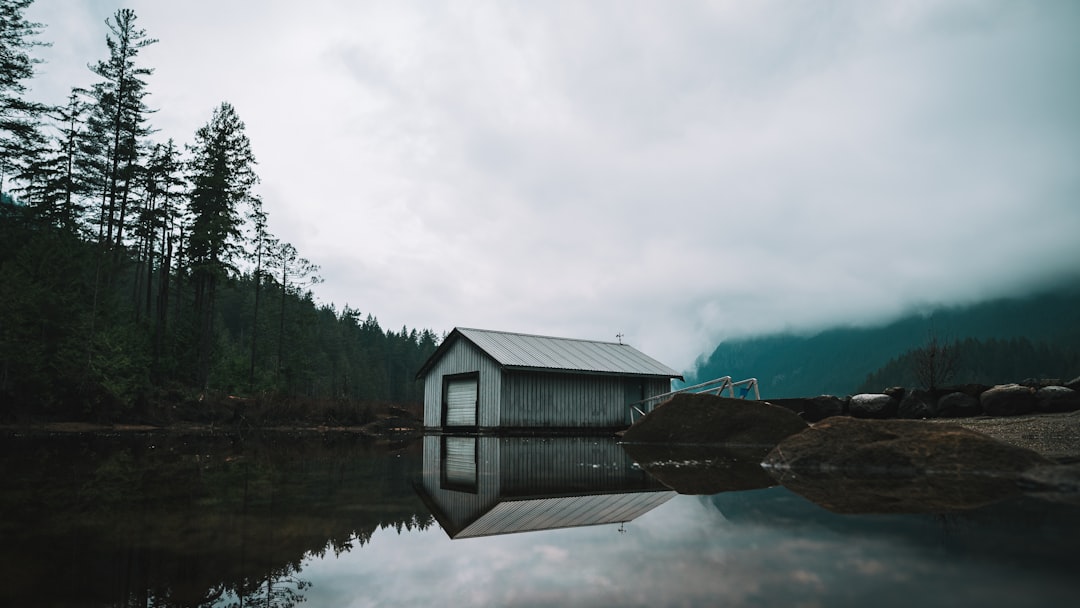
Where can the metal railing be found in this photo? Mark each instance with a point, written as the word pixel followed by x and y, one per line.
pixel 712 387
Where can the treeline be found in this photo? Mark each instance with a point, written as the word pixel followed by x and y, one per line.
pixel 974 361
pixel 136 272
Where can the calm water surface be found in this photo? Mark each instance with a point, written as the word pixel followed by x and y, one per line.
pixel 335 520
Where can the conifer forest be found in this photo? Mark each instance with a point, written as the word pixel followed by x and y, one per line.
pixel 141 279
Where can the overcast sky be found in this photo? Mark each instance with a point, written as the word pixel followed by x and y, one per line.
pixel 677 172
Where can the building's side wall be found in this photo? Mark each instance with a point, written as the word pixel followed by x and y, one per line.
pixel 540 466
pixel 531 399
pixel 462 357
pixel 655 386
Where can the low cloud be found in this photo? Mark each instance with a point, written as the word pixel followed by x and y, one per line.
pixel 680 174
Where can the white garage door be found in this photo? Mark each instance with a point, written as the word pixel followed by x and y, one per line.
pixel 460 461
pixel 461 402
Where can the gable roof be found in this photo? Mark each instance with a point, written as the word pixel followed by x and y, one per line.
pixel 532 514
pixel 531 352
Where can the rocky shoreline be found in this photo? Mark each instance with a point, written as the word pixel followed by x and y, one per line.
pixel 853 464
pixel 961 401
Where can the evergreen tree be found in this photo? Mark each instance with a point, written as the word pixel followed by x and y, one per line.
pixel 301 273
pixel 52 187
pixel 264 245
pixel 162 188
pixel 118 122
pixel 222 178
pixel 18 116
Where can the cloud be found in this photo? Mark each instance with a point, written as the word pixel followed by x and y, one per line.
pixel 677 173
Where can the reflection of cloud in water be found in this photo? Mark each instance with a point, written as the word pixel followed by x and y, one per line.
pixel 685 553
pixel 752 548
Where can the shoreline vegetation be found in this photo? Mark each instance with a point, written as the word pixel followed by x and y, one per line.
pixel 1055 435
pixel 230 414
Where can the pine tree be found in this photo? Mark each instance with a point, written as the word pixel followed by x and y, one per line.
pixel 52 187
pixel 162 188
pixel 264 245
pixel 298 273
pixel 222 177
pixel 18 116
pixel 118 122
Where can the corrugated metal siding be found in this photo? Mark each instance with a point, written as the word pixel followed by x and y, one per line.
pixel 561 400
pixel 463 357
pixel 544 352
pixel 564 512
pixel 533 466
pixel 531 399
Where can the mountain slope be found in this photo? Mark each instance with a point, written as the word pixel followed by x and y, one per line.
pixel 837 361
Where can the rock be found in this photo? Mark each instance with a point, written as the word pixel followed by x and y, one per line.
pixel 896 392
pixel 916 494
pixel 1037 383
pixel 868 448
pixel 1059 483
pixel 393 426
pixel 703 469
pixel 973 390
pixel 1074 384
pixel 958 405
pixel 917 404
pixel 690 419
pixel 1008 400
pixel 1050 399
pixel 873 405
pixel 812 409
pixel 1060 478
pixel 822 407
pixel 889 466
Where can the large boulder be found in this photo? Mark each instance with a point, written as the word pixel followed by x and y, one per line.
pixel 958 405
pixel 896 392
pixel 968 389
pixel 1008 400
pixel 812 409
pixel 1057 399
pixel 849 465
pixel 695 419
pixel 917 404
pixel 703 469
pixel 873 405
pixel 899 448
pixel 1060 483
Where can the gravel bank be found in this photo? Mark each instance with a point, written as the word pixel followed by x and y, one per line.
pixel 1055 436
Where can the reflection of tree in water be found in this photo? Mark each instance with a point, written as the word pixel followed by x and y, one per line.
pixel 192 521
pixel 280 589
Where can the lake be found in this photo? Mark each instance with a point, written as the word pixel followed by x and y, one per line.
pixel 279 519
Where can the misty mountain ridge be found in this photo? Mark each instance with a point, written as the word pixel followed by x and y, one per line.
pixel 838 361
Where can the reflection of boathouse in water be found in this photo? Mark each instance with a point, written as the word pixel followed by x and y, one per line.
pixel 479 380
pixel 485 486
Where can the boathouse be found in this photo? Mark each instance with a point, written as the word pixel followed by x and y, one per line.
pixel 492 380
pixel 485 485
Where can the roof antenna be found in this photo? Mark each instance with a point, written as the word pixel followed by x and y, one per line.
pixel 619 336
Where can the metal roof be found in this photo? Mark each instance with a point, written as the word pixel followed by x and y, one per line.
pixel 530 515
pixel 526 351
